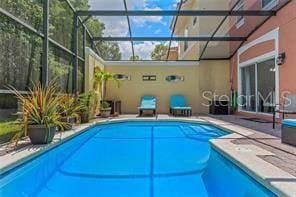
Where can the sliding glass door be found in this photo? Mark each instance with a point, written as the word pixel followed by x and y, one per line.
pixel 258 87
pixel 266 86
pixel 248 88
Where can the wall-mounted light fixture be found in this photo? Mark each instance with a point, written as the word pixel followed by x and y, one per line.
pixel 122 77
pixel 281 59
pixel 174 78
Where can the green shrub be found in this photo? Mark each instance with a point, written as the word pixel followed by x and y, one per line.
pixel 8 129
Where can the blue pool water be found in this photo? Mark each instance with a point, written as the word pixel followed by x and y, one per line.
pixel 133 159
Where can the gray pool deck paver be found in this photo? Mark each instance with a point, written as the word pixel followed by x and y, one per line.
pixel 249 156
pixel 260 154
pixel 264 127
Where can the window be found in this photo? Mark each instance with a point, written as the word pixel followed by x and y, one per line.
pixel 269 4
pixel 194 21
pixel 240 20
pixel 185 42
pixel 248 89
pixel 149 77
pixel 266 86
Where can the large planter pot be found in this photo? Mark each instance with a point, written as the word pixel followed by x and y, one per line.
pixel 84 117
pixel 40 134
pixel 70 121
pixel 105 113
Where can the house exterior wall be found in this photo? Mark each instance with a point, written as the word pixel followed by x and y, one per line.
pixel 284 27
pixel 173 55
pixel 206 76
pixel 257 50
pixel 204 26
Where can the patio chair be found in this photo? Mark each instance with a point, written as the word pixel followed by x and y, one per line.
pixel 147 103
pixel 289 131
pixel 289 107
pixel 178 103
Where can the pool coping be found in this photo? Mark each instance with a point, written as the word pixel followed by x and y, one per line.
pixel 275 179
pixel 246 157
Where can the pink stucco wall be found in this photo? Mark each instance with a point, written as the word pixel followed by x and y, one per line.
pixel 285 20
pixel 259 49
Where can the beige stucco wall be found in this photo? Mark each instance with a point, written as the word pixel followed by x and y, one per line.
pixel 207 76
pixel 92 60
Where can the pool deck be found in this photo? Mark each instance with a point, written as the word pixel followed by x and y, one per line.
pixel 259 152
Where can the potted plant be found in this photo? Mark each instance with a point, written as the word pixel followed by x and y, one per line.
pixel 85 102
pixel 68 108
pixel 101 78
pixel 41 109
pixel 105 109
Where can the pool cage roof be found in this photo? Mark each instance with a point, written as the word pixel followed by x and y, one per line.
pixel 222 26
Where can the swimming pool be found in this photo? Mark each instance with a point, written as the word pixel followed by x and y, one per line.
pixel 138 159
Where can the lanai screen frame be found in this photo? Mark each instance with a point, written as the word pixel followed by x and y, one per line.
pixel 176 13
pixel 78 23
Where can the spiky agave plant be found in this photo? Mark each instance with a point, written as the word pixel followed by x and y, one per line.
pixel 41 104
pixel 86 102
pixel 69 108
